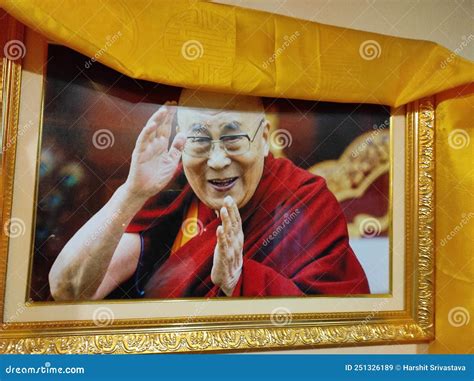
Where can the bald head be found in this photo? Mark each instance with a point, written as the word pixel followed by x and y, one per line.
pixel 193 102
pixel 219 101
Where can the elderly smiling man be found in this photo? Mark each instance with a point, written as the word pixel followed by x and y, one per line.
pixel 242 224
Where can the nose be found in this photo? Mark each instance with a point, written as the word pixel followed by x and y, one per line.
pixel 218 158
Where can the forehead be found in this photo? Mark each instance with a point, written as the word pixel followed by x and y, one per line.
pixel 216 119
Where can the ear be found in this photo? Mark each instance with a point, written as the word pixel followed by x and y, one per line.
pixel 266 138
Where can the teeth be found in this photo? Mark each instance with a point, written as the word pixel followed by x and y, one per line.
pixel 223 182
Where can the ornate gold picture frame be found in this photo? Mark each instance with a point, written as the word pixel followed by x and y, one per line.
pixel 404 315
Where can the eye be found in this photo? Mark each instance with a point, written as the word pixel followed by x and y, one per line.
pixel 199 140
pixel 232 138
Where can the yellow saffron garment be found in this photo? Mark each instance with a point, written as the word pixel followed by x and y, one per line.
pixel 189 228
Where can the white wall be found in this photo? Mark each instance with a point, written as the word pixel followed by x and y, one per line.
pixel 443 21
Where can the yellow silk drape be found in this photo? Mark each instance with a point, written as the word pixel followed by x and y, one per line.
pixel 205 45
pixel 200 44
pixel 454 221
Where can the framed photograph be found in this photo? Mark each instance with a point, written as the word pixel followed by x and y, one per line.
pixel 144 218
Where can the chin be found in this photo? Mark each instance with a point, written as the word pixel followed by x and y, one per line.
pixel 216 203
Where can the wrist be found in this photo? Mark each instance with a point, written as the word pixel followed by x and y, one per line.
pixel 132 192
pixel 130 198
pixel 229 288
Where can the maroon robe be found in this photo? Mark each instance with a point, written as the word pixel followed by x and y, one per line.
pixel 295 241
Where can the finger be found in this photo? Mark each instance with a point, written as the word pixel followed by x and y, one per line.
pixel 229 203
pixel 239 256
pixel 158 116
pixel 146 137
pixel 237 213
pixel 149 132
pixel 177 146
pixel 164 129
pixel 221 239
pixel 226 223
pixel 162 109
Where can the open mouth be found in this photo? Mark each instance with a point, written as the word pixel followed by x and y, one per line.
pixel 223 185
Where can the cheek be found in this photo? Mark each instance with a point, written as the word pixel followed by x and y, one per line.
pixel 252 171
pixel 193 170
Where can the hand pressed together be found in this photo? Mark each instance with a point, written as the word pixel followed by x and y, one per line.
pixel 228 257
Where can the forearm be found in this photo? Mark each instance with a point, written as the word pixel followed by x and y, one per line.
pixel 80 267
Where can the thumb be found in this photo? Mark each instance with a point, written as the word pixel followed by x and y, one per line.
pixel 177 146
pixel 221 238
pixel 219 245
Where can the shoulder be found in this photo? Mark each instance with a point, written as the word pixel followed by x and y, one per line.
pixel 306 187
pixel 296 177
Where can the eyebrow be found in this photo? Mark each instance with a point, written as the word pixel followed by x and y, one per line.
pixel 231 127
pixel 197 128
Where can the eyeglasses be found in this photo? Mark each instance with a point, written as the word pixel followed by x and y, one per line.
pixel 233 145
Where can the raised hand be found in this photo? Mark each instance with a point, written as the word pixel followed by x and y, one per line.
pixel 228 256
pixel 153 165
